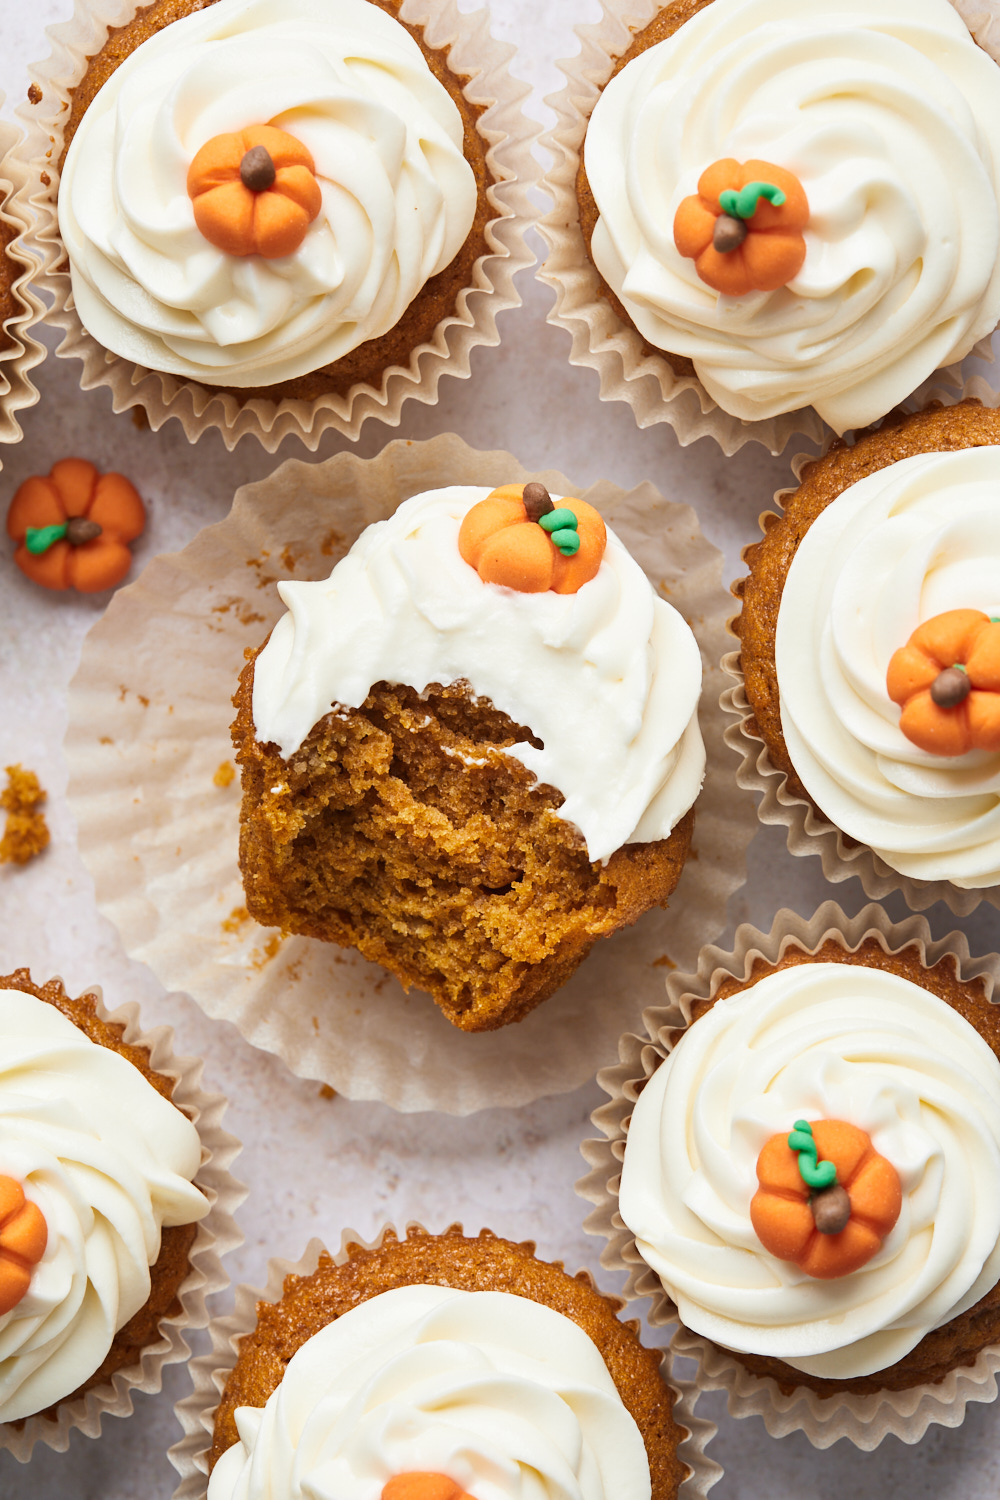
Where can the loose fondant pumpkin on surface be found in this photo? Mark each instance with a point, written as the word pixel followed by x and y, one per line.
pixel 800 1223
pixel 73 526
pixel 517 537
pixel 254 191
pixel 947 681
pixel 743 227
pixel 23 1237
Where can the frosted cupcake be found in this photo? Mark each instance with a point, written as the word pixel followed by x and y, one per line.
pixel 281 203
pixel 745 228
pixel 473 750
pixel 99 1214
pixel 885 546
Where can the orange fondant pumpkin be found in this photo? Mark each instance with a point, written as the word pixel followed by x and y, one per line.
pixel 504 546
pixel 23 1237
pixel 254 191
pixel 773 249
pixel 783 1219
pixel 74 492
pixel 948 712
pixel 419 1486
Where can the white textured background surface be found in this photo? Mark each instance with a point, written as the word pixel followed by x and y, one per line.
pixel 316 1165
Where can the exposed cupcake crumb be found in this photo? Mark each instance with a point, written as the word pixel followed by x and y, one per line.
pixel 26 832
pixel 225 775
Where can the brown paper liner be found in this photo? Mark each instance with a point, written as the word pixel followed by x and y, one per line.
pixel 20 352
pixel 196 1413
pixel 201 408
pixel 808 830
pixel 602 340
pixel 217 1235
pixel 864 1420
pixel 149 727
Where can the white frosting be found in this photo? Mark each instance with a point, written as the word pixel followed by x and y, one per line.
pixel 505 1396
pixel 608 678
pixel 814 1041
pixel 889 114
pixel 399 197
pixel 910 541
pixel 108 1161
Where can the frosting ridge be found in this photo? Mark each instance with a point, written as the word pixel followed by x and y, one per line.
pixel 398 196
pixel 608 677
pixel 901 170
pixel 918 537
pixel 834 1041
pixel 503 1395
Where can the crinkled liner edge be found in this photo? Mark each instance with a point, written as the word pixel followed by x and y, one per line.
pixel 808 831
pixel 509 135
pixel 23 352
pixel 217 1234
pixel 209 1372
pixel 601 340
pixel 863 1420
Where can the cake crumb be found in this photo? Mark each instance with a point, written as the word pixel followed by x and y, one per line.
pixel 236 919
pixel 26 832
pixel 225 775
pixel 326 1092
pixel 664 962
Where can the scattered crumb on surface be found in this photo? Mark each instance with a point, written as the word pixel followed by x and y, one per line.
pixel 225 775
pixel 664 962
pixel 236 919
pixel 326 1092
pixel 26 832
pixel 260 957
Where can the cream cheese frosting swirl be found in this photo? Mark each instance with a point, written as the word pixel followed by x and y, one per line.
pixel 608 678
pixel 505 1396
pixel 399 197
pixel 108 1161
pixel 889 114
pixel 908 542
pixel 835 1041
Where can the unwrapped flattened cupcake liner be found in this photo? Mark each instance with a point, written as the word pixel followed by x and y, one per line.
pixel 602 340
pixel 475 55
pixel 209 1372
pixel 863 1419
pixel 808 832
pixel 216 1235
pixel 150 710
pixel 19 352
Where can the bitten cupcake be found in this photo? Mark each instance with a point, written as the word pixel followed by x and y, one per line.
pixel 778 208
pixel 99 1213
pixel 858 648
pixel 442 1367
pixel 473 750
pixel 283 203
pixel 810 1149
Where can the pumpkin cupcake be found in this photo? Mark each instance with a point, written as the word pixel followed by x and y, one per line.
pixel 473 750
pixel 809 1174
pixel 114 1203
pixel 764 219
pixel 869 665
pixel 273 217
pixel 438 1366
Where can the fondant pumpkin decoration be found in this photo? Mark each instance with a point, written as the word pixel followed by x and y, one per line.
pixel 518 538
pixel 826 1200
pixel 947 681
pixel 23 1237
pixel 74 525
pixel 420 1486
pixel 254 191
pixel 743 227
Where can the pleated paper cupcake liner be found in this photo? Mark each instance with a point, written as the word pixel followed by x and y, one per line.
pixel 863 1420
pixel 202 408
pixel 20 353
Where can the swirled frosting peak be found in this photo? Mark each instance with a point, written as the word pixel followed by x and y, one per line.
pixel 608 677
pixel 348 82
pixel 888 113
pixel 502 1395
pixel 908 542
pixel 820 1041
pixel 106 1161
